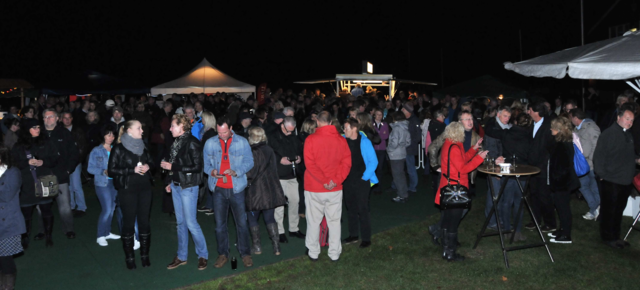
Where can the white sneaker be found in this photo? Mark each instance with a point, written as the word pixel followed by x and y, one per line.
pixel 102 241
pixel 589 216
pixel 112 236
pixel 136 244
pixel 597 213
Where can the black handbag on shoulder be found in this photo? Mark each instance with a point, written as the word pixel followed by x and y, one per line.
pixel 453 195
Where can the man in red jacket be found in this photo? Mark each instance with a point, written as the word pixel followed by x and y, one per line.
pixel 328 161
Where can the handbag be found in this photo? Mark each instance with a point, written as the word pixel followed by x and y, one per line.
pixel 580 163
pixel 47 186
pixel 453 195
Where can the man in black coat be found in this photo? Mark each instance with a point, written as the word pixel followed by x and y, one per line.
pixel 75 178
pixel 289 151
pixel 541 144
pixel 60 138
pixel 414 147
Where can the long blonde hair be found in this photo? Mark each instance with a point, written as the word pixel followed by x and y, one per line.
pixel 563 126
pixel 208 120
pixel 454 132
pixel 256 135
pixel 126 127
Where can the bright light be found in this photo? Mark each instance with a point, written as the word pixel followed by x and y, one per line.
pixel 368 82
pixel 369 67
pixel 500 97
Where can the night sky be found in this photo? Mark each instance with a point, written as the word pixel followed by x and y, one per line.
pixel 154 42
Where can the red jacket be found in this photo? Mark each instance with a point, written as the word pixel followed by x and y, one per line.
pixel 327 157
pixel 461 162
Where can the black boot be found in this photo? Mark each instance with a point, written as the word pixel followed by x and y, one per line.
pixel 25 236
pixel 48 231
pixel 272 229
pixel 451 244
pixel 127 245
pixel 255 238
pixel 435 235
pixel 145 243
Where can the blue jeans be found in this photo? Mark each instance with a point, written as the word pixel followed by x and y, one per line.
pixel 185 203
pixel 410 161
pixel 75 189
pixel 511 198
pixel 267 214
pixel 223 200
pixel 107 197
pixel 589 189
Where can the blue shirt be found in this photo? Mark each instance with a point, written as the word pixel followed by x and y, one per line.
pixel 580 126
pixel 536 126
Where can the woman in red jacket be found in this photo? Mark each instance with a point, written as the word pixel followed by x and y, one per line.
pixel 461 164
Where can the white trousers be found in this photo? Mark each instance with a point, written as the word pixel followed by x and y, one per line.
pixel 329 205
pixel 290 187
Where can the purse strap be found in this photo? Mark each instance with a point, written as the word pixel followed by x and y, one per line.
pixel 449 168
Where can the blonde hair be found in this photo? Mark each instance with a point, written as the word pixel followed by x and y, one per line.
pixel 256 135
pixel 126 127
pixel 309 126
pixel 182 119
pixel 563 126
pixel 96 120
pixel 208 120
pixel 454 132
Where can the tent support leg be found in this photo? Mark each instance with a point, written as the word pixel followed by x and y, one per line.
pixel 632 85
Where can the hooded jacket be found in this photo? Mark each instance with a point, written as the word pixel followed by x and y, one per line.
pixel 399 139
pixel 327 158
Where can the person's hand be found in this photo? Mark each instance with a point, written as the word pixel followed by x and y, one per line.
pixel 478 144
pixel 214 173
pixel 138 170
pixel 168 188
pixel 39 163
pixel 298 160
pixel 165 165
pixel 483 154
pixel 106 172
pixel 285 161
pixel 638 161
pixel 230 172
pixel 32 162
pixel 144 168
pixel 330 186
pixel 439 170
pixel 499 160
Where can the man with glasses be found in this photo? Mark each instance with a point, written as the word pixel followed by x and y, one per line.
pixel 288 150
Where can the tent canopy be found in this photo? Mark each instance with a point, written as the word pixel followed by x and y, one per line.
pixel 93 82
pixel 15 88
pixel 484 86
pixel 204 78
pixel 612 59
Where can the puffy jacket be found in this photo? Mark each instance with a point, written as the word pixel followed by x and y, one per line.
pixel 264 190
pixel 399 139
pixel 11 218
pixel 49 157
pixel 122 164
pixel 460 166
pixel 327 158
pixel 98 163
pixel 240 161
pixel 188 164
pixel 370 159
pixel 62 140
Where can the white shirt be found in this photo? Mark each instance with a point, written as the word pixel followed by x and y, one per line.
pixel 536 126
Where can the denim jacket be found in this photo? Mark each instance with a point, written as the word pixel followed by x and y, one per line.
pixel 240 160
pixel 98 161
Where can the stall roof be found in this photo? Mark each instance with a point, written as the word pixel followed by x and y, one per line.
pixel 363 78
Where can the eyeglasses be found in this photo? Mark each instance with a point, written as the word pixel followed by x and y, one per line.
pixel 49 117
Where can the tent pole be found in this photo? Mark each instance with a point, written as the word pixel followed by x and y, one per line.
pixel 633 86
pixel 21 97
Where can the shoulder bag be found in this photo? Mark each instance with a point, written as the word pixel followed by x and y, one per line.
pixel 453 195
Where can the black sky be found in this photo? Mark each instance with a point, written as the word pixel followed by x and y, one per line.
pixel 280 43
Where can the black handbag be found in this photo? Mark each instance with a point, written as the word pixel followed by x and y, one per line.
pixel 453 195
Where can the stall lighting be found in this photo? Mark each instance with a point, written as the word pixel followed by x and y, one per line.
pixel 369 82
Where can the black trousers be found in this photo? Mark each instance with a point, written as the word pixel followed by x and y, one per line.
pixel 7 265
pixel 27 211
pixel 451 219
pixel 542 202
pixel 382 156
pixel 562 202
pixel 135 203
pixel 356 198
pixel 301 204
pixel 613 200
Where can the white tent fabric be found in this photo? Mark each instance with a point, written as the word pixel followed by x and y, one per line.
pixel 204 78
pixel 612 59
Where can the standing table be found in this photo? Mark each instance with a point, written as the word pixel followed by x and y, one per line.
pixel 517 172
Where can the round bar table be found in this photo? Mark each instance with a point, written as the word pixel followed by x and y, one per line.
pixel 515 172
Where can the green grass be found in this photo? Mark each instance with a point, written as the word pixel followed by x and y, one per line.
pixel 404 258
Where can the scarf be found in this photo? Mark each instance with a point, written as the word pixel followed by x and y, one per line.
pixel 503 126
pixel 134 145
pixel 175 147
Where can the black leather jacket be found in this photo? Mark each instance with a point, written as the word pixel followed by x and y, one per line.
pixel 189 163
pixel 122 164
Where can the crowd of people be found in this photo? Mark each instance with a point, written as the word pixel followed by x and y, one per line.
pixel 300 155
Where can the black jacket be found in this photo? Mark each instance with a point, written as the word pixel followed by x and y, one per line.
pixel 122 164
pixel 493 136
pixel 189 163
pixel 264 190
pixel 41 151
pixel 92 135
pixel 562 173
pixel 79 137
pixel 516 141
pixel 436 128
pixel 614 157
pixel 285 146
pixel 541 146
pixel 63 142
pixel 416 135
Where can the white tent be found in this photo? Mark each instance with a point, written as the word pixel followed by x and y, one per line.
pixel 204 78
pixel 612 59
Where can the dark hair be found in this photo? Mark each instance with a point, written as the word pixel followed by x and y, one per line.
pixel 398 116
pixel 106 130
pixel 464 112
pixel 578 113
pixel 25 139
pixel 11 121
pixel 26 109
pixel 225 120
pixel 540 108
pixel 626 107
pixel 523 120
pixel 572 102
pixel 352 123
pixel 5 156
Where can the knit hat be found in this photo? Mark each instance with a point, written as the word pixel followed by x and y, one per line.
pixel 408 106
pixel 278 115
pixel 244 115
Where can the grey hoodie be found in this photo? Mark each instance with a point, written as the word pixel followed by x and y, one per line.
pixel 399 139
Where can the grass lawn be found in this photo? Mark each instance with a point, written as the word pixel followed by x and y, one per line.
pixel 405 258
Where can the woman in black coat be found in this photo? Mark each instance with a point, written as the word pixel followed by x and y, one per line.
pixel 34 159
pixel 562 177
pixel 264 192
pixel 12 221
pixel 308 127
